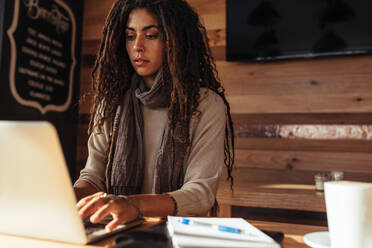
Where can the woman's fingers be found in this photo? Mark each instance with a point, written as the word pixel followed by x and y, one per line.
pixel 101 213
pixel 113 224
pixel 92 206
pixel 87 199
pixel 114 208
pixel 100 205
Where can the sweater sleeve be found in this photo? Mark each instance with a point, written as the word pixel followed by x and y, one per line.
pixel 206 158
pixel 94 171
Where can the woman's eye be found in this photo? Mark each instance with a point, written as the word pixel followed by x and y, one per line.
pixel 129 37
pixel 152 36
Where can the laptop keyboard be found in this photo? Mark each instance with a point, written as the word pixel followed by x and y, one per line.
pixel 96 232
pixel 91 228
pixel 95 228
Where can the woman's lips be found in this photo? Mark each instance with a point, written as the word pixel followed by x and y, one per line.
pixel 140 62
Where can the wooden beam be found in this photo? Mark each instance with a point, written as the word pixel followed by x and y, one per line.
pixel 305 160
pixel 242 121
pixel 269 104
pixel 275 144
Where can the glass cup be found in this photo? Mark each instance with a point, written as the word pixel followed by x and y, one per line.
pixel 320 179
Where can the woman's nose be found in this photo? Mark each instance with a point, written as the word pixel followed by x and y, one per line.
pixel 138 44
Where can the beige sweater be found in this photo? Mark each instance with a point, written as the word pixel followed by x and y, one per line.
pixel 204 162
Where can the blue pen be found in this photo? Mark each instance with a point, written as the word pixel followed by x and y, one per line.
pixel 210 225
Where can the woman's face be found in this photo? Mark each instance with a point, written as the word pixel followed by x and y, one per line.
pixel 144 44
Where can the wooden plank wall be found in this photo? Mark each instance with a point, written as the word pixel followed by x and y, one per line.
pixel 292 118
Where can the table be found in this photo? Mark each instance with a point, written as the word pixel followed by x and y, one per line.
pixel 293 236
pixel 10 241
pixel 293 233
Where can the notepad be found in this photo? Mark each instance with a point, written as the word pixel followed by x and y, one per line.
pixel 187 232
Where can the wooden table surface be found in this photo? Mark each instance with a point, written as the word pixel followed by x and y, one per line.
pixel 10 241
pixel 293 233
pixel 293 236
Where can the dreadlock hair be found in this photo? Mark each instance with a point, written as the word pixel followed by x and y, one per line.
pixel 187 61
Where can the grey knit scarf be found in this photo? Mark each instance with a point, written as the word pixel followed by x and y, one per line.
pixel 125 169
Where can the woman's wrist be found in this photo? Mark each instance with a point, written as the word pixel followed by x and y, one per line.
pixel 175 207
pixel 133 204
pixel 83 189
pixel 154 205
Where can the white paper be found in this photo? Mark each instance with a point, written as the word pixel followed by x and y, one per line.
pixel 199 236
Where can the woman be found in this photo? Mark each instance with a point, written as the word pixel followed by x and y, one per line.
pixel 161 129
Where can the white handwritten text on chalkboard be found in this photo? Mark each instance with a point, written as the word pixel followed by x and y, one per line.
pixel 54 16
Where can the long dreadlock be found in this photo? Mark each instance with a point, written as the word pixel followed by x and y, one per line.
pixel 187 58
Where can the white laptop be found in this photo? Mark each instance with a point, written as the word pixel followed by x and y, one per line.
pixel 36 195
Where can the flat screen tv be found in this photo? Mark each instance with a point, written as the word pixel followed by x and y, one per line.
pixel 261 30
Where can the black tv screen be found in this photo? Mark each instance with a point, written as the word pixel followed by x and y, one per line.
pixel 282 29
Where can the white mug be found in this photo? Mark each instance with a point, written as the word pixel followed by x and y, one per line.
pixel 349 213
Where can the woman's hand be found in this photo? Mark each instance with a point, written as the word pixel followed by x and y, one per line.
pixel 101 205
pixel 83 189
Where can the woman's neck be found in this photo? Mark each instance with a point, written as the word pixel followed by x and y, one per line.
pixel 149 81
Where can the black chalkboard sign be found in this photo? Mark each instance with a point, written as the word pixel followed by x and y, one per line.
pixel 41 65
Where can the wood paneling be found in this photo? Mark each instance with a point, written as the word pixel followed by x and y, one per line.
pixel 241 120
pixel 266 188
pixel 305 160
pixel 313 76
pixel 276 188
pixel 95 12
pixel 342 103
pixel 275 144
